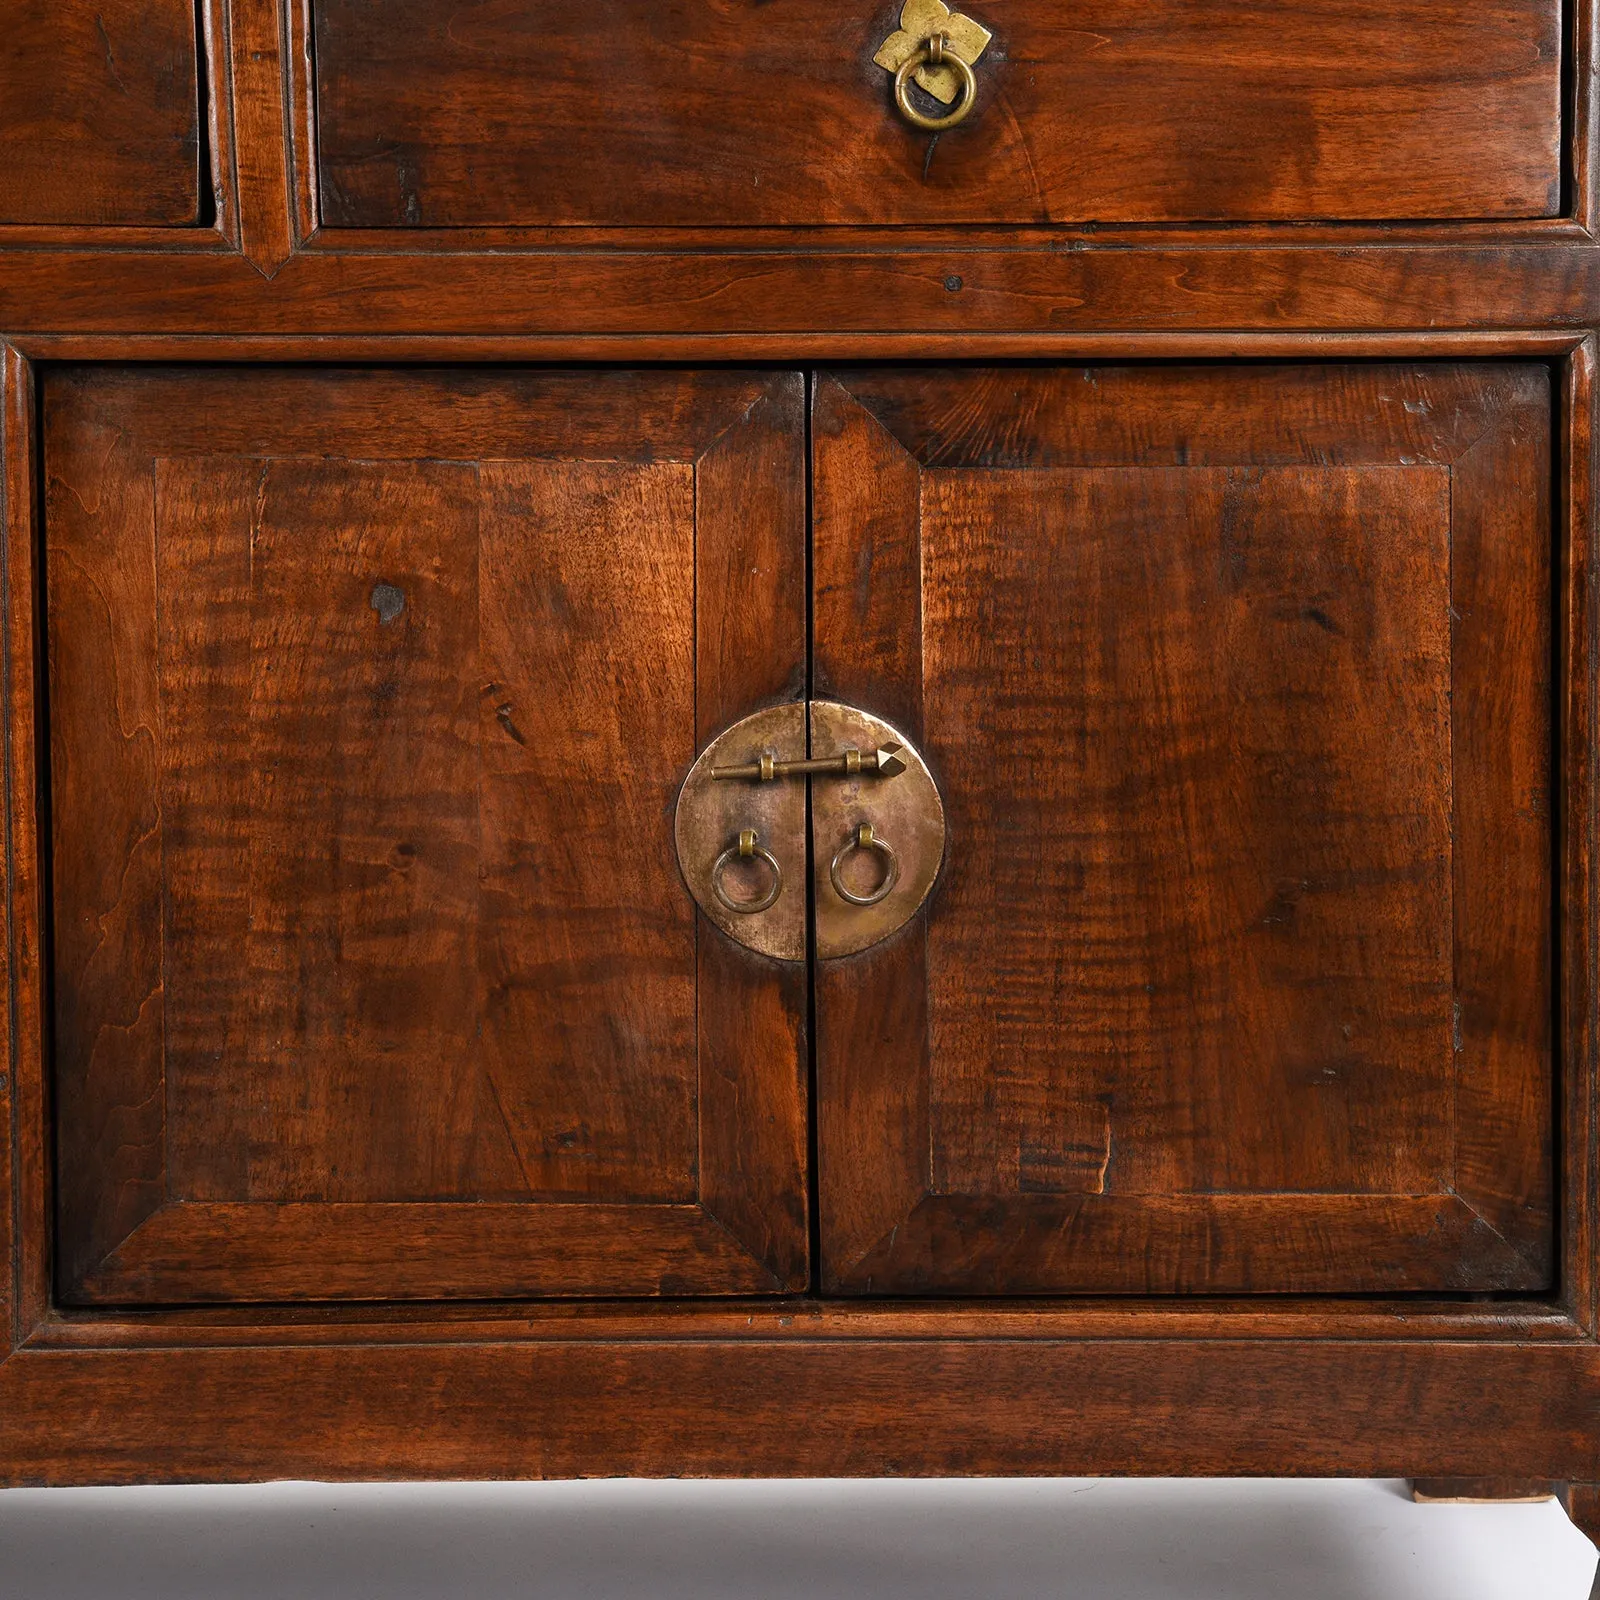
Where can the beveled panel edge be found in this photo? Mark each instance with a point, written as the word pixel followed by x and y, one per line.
pixel 27 1195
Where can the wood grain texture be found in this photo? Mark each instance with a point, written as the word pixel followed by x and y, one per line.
pixel 867 584
pixel 203 520
pixel 796 1319
pixel 750 650
pixel 101 112
pixel 395 717
pixel 619 113
pixel 573 792
pixel 712 1408
pixel 1482 1491
pixel 228 1251
pixel 255 122
pixel 1223 890
pixel 1501 733
pixel 1406 111
pixel 1577 726
pixel 108 1096
pixel 363 860
pixel 1583 1506
pixel 1187 668
pixel 24 1207
pixel 1187 1244
pixel 1083 284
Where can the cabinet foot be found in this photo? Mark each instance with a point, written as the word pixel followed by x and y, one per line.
pixel 1483 1491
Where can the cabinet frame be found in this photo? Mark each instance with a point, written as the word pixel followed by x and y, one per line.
pixel 1402 1387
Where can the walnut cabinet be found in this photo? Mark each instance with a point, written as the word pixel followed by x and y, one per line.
pixel 471 1007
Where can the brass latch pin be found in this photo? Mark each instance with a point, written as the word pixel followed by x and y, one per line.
pixel 884 762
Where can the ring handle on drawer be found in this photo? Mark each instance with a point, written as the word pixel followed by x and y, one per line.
pixel 935 52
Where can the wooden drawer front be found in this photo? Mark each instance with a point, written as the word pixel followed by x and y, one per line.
pixel 100 107
pixel 1237 684
pixel 369 699
pixel 450 113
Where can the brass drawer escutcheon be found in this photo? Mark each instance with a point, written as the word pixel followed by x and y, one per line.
pixel 935 48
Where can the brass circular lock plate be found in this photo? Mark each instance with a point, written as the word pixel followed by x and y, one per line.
pixel 756 896
pixel 890 870
pixel 877 830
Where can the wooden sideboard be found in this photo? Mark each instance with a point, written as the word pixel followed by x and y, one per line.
pixel 1117 991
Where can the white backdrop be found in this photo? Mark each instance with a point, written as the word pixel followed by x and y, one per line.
pixel 1080 1539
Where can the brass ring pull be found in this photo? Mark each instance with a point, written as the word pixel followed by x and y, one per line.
pixel 863 838
pixel 937 52
pixel 749 845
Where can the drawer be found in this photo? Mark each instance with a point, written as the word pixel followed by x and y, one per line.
pixel 456 113
pixel 382 711
pixel 100 107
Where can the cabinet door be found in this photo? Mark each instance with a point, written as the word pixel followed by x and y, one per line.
pixel 1237 684
pixel 369 696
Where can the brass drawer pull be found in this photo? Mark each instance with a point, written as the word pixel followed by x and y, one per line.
pixel 863 838
pixel 936 53
pixel 748 847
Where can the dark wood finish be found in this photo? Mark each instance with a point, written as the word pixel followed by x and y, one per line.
pixel 1578 732
pixel 619 112
pixel 22 1221
pixel 1403 1385
pixel 258 210
pixel 101 109
pixel 1408 1319
pixel 1237 685
pixel 694 1408
pixel 775 303
pixel 370 696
